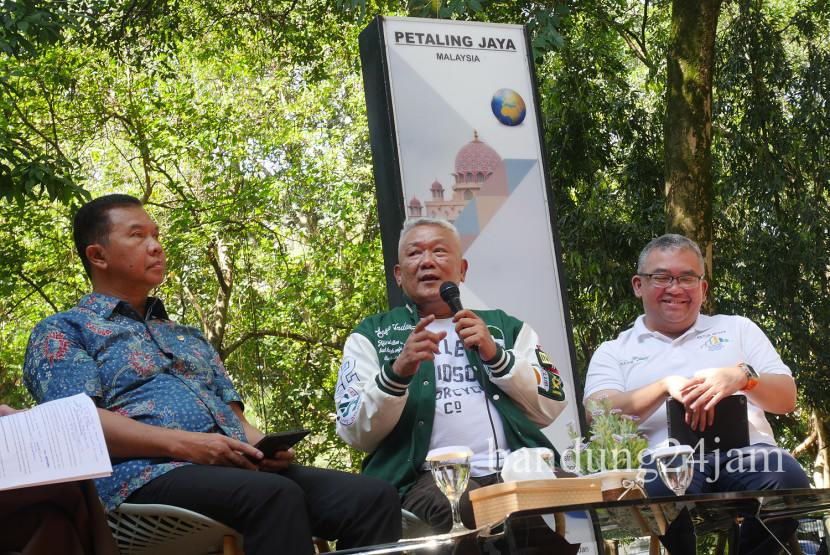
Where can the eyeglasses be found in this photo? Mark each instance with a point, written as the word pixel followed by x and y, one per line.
pixel 664 280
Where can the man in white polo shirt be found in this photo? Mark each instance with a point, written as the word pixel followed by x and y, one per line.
pixel 674 351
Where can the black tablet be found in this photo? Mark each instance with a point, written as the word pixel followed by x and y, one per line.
pixel 730 429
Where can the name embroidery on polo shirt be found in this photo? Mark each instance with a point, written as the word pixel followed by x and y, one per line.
pixel 636 358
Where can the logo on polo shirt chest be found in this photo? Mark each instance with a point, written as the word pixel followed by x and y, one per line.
pixel 714 341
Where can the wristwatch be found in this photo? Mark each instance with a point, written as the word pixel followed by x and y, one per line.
pixel 751 376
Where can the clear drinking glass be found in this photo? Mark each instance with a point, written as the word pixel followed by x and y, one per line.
pixel 675 465
pixel 451 470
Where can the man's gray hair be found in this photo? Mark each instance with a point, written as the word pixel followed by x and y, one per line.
pixel 410 224
pixel 667 242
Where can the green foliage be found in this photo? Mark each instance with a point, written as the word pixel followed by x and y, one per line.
pixel 543 19
pixel 31 167
pixel 603 106
pixel 604 140
pixel 27 26
pixel 258 174
pixel 772 176
pixel 39 275
pixel 243 127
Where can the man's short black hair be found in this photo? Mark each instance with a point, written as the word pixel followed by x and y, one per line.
pixel 92 223
pixel 667 242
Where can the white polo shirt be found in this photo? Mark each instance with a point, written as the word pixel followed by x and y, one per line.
pixel 639 357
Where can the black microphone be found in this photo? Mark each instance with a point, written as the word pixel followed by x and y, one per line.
pixel 451 295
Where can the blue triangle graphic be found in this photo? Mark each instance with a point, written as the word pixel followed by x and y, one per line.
pixel 517 170
pixel 467 221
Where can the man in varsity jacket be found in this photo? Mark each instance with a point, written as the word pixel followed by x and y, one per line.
pixel 417 378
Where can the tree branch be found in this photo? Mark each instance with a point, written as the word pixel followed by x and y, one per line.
pixel 248 335
pixel 35 130
pixel 37 288
pixel 213 259
pixel 806 444
pixel 636 43
pixel 193 300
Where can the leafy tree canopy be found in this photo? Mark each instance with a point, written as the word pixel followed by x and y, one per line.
pixel 242 126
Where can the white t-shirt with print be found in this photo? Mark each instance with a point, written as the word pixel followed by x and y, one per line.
pixel 461 407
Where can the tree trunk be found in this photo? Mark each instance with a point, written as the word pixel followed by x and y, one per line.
pixel 688 131
pixel 222 263
pixel 821 472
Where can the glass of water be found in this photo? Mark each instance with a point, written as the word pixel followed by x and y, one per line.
pixel 675 465
pixel 451 470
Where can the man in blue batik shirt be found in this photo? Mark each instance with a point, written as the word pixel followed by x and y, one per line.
pixel 173 422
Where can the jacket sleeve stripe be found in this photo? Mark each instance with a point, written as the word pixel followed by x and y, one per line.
pixel 391 383
pixel 502 363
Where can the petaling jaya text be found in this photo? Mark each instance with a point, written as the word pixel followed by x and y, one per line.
pixel 457 57
pixel 429 39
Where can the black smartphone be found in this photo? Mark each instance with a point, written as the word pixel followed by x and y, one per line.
pixel 279 441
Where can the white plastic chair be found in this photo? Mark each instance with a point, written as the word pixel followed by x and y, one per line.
pixel 153 529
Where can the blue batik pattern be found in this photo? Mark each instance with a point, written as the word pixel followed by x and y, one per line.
pixel 151 370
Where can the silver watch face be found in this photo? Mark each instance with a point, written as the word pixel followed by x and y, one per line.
pixel 750 371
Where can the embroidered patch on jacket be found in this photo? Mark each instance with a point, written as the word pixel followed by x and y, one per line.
pixel 547 378
pixel 544 359
pixel 497 334
pixel 347 375
pixel 348 407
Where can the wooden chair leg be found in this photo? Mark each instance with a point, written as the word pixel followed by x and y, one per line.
pixel 228 545
pixel 321 545
pixel 654 545
pixel 559 523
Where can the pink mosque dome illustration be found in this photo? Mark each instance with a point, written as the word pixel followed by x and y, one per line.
pixel 415 207
pixel 475 164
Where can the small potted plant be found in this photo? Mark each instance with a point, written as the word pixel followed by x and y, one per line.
pixel 612 451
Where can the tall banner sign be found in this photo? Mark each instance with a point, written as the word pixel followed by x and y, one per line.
pixel 455 132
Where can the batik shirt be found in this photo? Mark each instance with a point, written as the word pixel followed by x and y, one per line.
pixel 151 370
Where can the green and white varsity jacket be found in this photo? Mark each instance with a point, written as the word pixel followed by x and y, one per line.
pixel 390 417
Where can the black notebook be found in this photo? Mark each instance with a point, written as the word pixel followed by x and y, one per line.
pixel 730 430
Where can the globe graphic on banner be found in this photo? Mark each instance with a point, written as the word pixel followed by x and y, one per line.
pixel 508 107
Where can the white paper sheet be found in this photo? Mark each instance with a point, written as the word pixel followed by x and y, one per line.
pixel 58 441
